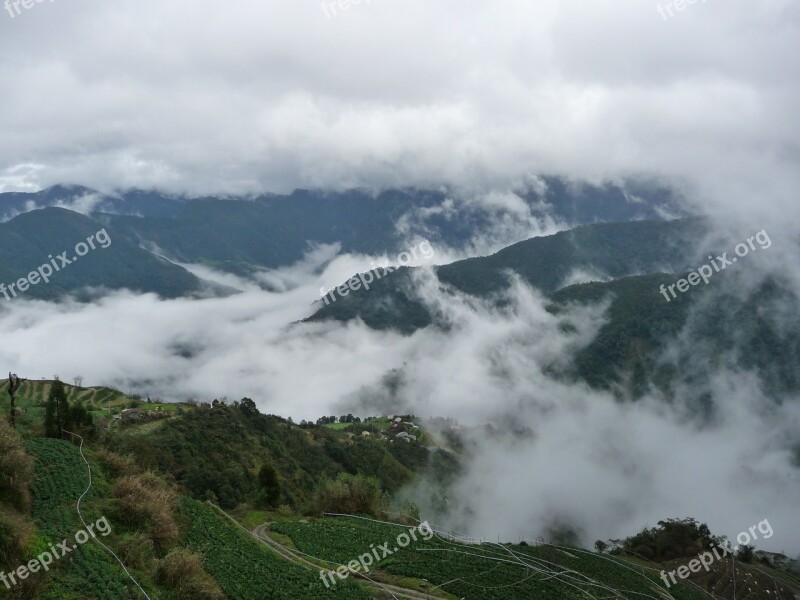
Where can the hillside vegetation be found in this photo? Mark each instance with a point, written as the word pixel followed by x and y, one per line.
pixel 29 240
pixel 159 488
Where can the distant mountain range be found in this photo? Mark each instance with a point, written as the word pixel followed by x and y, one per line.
pixel 628 262
pixel 592 252
pixel 623 263
pixel 244 234
pixel 31 239
pixel 87 200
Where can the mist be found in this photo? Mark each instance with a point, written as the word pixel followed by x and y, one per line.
pixel 479 98
pixel 564 455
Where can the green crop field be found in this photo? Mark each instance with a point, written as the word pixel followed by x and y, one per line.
pixel 481 572
pixel 89 571
pixel 247 570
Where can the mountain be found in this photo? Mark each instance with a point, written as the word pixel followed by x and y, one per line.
pixel 600 251
pixel 753 333
pixel 240 234
pixel 243 235
pixel 31 239
pixel 86 200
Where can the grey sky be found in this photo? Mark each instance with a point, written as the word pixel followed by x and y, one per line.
pixel 249 96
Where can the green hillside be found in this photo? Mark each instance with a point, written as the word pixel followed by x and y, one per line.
pixel 150 491
pixel 61 476
pixel 273 230
pixel 29 240
pixel 753 331
pixel 613 250
pixel 626 354
pixel 216 453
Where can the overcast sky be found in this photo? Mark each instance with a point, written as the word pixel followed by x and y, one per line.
pixel 246 96
pixel 240 97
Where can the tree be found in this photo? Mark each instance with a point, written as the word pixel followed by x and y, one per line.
pixel 600 546
pixel 50 425
pixel 745 554
pixel 673 538
pixel 351 494
pixel 81 418
pixel 78 380
pixel 57 403
pixel 269 484
pixel 248 407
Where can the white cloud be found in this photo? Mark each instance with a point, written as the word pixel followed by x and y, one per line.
pixel 204 97
pixel 248 97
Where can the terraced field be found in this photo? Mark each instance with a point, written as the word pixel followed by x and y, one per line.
pixel 482 572
pixel 246 570
pixel 36 391
pixel 100 401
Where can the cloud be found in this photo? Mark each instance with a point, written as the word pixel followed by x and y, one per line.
pixel 206 99
pixel 562 453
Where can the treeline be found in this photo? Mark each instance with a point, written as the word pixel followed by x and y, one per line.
pixel 672 539
pixel 232 454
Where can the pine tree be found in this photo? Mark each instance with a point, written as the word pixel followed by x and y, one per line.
pixel 50 425
pixel 57 403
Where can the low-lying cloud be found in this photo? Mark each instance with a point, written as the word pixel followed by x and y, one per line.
pixel 562 454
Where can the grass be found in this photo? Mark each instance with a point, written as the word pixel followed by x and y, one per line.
pixel 338 426
pixel 254 518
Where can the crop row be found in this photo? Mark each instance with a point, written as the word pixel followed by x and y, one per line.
pixel 477 572
pixel 247 570
pixel 60 477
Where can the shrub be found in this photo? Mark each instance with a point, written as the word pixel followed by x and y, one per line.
pixel 146 503
pixel 745 554
pixel 350 494
pixel 182 573
pixel 15 469
pixel 115 464
pixel 136 550
pixel 16 533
